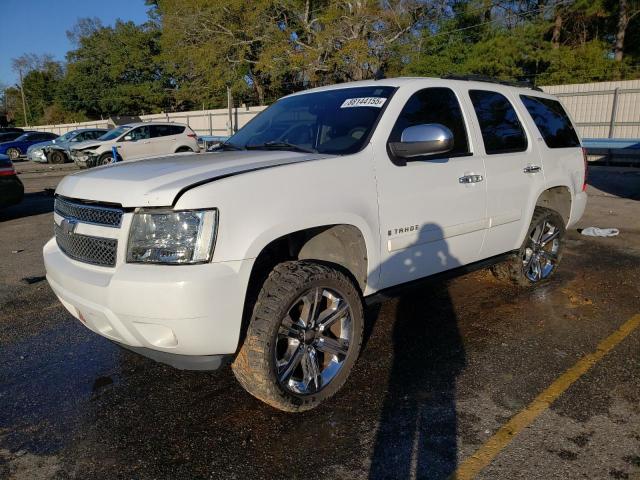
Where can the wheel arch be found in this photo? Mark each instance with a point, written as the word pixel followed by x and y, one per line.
pixel 557 198
pixel 183 148
pixel 343 245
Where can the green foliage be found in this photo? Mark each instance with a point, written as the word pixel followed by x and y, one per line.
pixel 190 51
pixel 114 71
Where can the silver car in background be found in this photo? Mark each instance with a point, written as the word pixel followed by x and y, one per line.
pixel 57 150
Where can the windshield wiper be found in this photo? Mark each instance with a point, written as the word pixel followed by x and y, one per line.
pixel 281 146
pixel 226 146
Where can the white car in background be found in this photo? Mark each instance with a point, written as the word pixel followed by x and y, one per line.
pixel 136 140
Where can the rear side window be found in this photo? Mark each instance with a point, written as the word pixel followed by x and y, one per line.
pixel 434 105
pixel 160 130
pixel 176 129
pixel 552 121
pixel 501 129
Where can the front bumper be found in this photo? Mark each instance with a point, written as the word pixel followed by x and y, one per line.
pixel 183 310
pixel 37 156
pixel 83 158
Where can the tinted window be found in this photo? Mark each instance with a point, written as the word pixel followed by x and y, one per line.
pixel 160 130
pixel 499 124
pixel 176 129
pixel 552 121
pixel 434 105
pixel 7 137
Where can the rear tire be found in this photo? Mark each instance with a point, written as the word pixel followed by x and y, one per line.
pixel 303 338
pixel 57 157
pixel 183 149
pixel 13 154
pixel 540 253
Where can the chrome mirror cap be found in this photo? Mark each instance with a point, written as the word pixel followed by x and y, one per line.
pixel 426 139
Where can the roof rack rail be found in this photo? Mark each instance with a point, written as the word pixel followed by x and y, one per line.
pixel 484 78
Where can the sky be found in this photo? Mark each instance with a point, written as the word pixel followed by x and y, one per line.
pixel 40 26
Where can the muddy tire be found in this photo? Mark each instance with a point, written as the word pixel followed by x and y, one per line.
pixel 57 157
pixel 13 154
pixel 304 336
pixel 540 254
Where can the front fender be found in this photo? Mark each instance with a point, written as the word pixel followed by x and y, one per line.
pixel 256 208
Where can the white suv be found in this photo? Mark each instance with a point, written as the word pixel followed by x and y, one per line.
pixel 136 140
pixel 263 252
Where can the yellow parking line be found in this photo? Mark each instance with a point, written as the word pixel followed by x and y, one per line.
pixel 499 441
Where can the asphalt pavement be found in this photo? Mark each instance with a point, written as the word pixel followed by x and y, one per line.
pixel 467 378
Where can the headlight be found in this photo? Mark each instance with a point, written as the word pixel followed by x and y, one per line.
pixel 172 236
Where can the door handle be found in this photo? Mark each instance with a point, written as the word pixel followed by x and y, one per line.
pixel 531 169
pixel 471 179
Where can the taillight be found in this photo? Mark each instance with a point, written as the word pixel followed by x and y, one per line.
pixel 192 134
pixel 586 169
pixel 6 171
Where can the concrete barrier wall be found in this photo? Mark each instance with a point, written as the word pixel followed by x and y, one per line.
pixel 203 122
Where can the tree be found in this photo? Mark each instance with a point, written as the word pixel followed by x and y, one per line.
pixel 626 12
pixel 114 70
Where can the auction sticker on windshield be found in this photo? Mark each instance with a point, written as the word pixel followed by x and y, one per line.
pixel 377 102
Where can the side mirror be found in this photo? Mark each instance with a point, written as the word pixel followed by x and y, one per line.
pixel 128 138
pixel 426 139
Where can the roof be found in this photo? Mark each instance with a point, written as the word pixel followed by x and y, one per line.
pixel 398 82
pixel 138 124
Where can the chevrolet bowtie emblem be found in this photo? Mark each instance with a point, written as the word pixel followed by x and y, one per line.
pixel 68 225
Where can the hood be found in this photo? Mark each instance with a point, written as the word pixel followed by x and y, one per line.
pixel 156 182
pixel 39 145
pixel 86 143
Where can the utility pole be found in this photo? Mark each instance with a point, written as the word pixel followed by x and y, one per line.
pixel 230 109
pixel 24 102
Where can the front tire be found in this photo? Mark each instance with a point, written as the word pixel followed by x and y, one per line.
pixel 540 253
pixel 303 338
pixel 13 154
pixel 57 157
pixel 105 159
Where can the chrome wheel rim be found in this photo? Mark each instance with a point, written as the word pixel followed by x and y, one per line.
pixel 540 256
pixel 313 341
pixel 13 154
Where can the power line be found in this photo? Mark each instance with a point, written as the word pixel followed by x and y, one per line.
pixel 514 15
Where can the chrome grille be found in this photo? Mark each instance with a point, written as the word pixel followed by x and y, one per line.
pixel 94 250
pixel 87 213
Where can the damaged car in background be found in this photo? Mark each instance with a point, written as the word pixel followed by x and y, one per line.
pixel 57 150
pixel 136 140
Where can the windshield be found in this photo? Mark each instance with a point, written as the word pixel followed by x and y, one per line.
pixel 335 121
pixel 23 137
pixel 66 137
pixel 115 133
